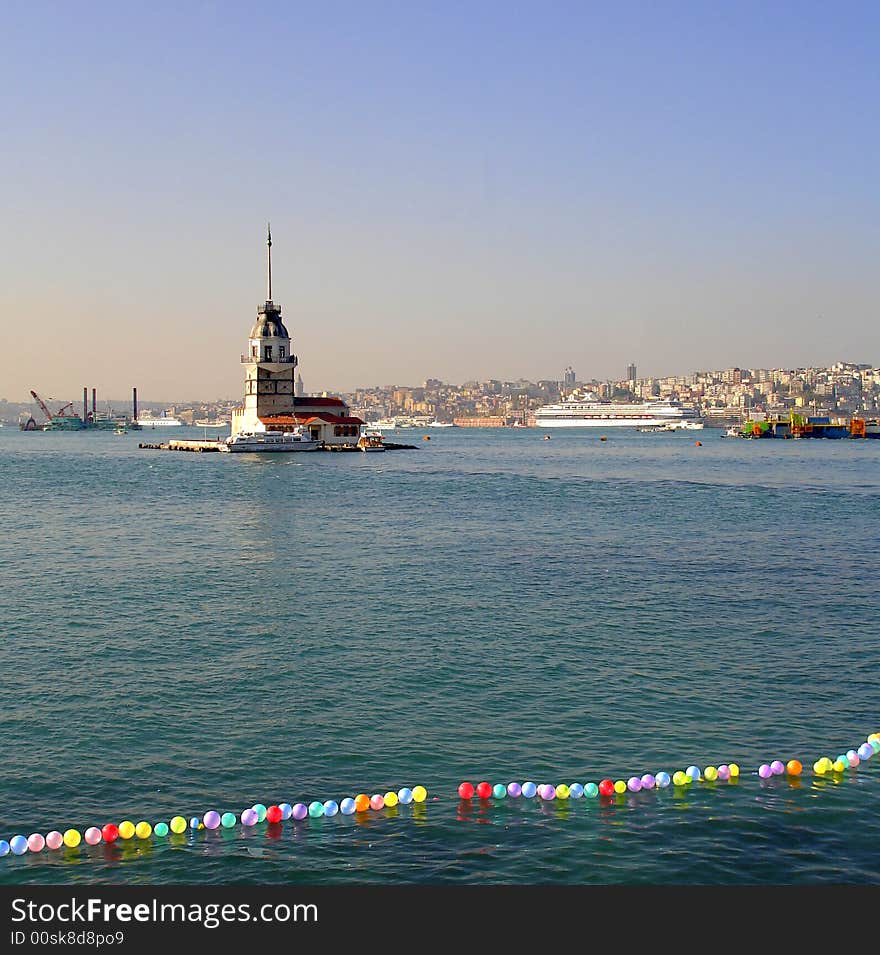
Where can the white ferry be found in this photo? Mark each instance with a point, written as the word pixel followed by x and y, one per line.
pixel 163 422
pixel 384 424
pixel 260 441
pixel 587 410
pixel 684 425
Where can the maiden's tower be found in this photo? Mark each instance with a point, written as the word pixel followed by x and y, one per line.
pixel 270 401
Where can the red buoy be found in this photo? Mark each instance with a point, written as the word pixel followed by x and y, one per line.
pixel 466 791
pixel 606 788
pixel 273 814
pixel 484 790
pixel 110 833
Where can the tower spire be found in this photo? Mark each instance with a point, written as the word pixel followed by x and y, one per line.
pixel 269 246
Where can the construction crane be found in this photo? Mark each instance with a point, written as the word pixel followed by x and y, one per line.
pixel 42 404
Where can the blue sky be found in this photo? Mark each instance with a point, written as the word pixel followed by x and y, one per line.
pixel 456 190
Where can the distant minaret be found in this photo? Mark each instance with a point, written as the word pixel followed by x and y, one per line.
pixel 270 363
pixel 300 387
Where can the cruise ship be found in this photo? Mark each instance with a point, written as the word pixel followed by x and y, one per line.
pixel 588 410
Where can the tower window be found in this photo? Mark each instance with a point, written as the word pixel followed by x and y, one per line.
pixel 268 353
pixel 280 351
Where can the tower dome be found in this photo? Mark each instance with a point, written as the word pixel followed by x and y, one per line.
pixel 269 323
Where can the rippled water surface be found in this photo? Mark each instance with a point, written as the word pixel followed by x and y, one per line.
pixel 183 632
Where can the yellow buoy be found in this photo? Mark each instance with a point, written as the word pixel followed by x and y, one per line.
pixel 72 838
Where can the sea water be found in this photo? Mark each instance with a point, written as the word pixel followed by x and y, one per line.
pixel 184 632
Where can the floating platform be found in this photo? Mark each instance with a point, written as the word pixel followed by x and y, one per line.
pixel 207 446
pixel 200 446
pixel 798 426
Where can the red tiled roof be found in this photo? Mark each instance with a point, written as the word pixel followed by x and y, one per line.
pixel 305 418
pixel 330 419
pixel 317 402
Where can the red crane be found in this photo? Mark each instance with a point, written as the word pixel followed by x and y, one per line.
pixel 42 404
pixel 46 411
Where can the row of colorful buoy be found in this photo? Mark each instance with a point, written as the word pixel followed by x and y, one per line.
pixel 723 773
pixel 607 787
pixel 850 759
pixel 71 838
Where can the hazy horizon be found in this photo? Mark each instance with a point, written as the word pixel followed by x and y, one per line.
pixel 456 192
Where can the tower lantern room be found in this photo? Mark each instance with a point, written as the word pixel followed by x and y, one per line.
pixel 269 340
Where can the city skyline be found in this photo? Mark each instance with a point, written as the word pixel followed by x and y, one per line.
pixel 456 197
pixel 568 380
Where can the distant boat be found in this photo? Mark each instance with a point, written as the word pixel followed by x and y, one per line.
pixel 586 410
pixel 675 426
pixel 205 423
pixel 685 425
pixel 275 441
pixel 371 441
pixel 440 424
pixel 164 422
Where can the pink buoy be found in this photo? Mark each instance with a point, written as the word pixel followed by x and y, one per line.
pixel 93 836
pixel 377 801
pixel 54 839
pixel 36 843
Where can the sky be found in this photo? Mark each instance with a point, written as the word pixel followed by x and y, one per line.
pixel 456 190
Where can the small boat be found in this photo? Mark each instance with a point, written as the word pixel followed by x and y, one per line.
pixel 120 430
pixel 371 441
pixel 440 424
pixel 732 433
pixel 275 441
pixel 685 425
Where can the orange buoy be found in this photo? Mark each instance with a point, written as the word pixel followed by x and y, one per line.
pixel 699 444
pixel 603 438
pixel 427 437
pixel 546 437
